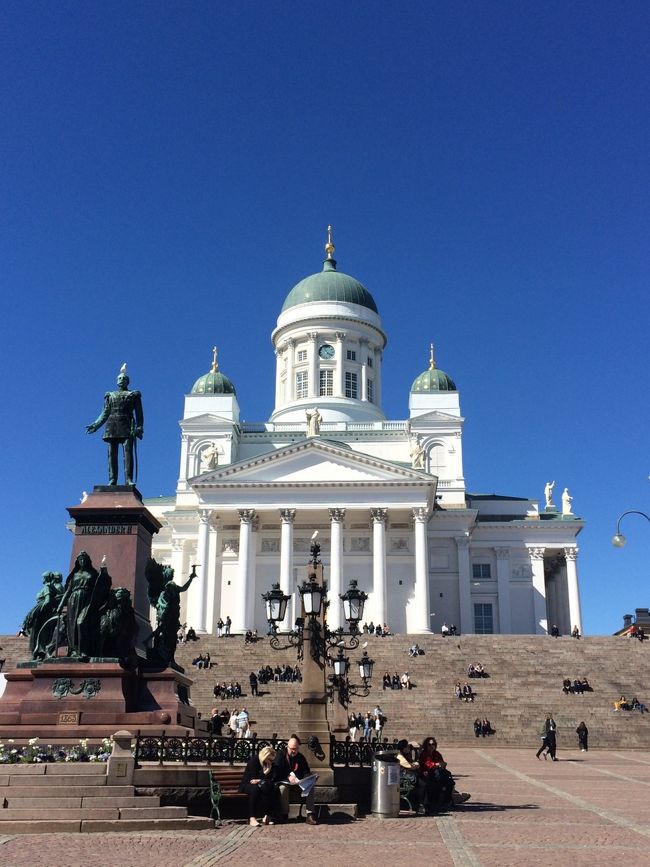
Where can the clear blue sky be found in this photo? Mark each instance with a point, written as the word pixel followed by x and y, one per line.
pixel 167 171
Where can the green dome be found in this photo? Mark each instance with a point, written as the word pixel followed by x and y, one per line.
pixel 214 381
pixel 330 285
pixel 433 379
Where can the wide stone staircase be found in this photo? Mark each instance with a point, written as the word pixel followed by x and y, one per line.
pixel 525 683
pixel 44 798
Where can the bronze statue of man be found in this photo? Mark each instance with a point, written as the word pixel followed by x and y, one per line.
pixel 124 424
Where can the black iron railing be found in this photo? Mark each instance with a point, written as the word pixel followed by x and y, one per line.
pixel 209 750
pixel 213 750
pixel 359 754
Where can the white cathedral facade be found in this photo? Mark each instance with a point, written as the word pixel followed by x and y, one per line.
pixel 388 497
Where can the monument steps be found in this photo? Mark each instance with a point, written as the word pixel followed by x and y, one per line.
pixel 40 798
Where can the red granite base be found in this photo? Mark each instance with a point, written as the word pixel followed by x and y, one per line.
pixel 102 698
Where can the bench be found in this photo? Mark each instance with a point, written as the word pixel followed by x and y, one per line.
pixel 224 783
pixel 407 783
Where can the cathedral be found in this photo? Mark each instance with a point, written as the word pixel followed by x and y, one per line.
pixel 387 497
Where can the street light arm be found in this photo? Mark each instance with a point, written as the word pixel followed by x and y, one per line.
pixel 618 540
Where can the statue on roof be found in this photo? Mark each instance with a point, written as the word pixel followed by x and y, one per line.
pixel 124 421
pixel 313 422
pixel 548 494
pixel 566 502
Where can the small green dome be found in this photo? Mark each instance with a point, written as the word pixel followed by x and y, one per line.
pixel 433 379
pixel 330 285
pixel 214 381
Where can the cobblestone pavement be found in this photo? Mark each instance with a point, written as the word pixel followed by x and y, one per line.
pixel 587 808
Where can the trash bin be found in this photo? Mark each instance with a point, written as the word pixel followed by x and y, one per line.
pixel 385 785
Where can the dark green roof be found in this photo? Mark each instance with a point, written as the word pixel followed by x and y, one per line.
pixel 433 380
pixel 330 285
pixel 213 382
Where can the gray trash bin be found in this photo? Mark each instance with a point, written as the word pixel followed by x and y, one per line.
pixel 385 785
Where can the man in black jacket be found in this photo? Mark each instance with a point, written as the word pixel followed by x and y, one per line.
pixel 292 766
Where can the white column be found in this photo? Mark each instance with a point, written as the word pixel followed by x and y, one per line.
pixel 286 561
pixel 421 621
pixel 503 588
pixel 197 603
pixel 376 366
pixel 240 613
pixel 363 352
pixel 252 596
pixel 178 565
pixel 290 393
pixel 335 611
pixel 575 611
pixel 464 586
pixel 379 564
pixel 313 364
pixel 279 365
pixel 539 590
pixel 339 378
pixel 183 469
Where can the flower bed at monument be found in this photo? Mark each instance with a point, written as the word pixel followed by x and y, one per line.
pixel 34 752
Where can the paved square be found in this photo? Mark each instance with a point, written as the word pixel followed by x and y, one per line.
pixel 588 808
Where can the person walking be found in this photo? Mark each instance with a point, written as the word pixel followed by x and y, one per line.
pixel 547 735
pixel 583 735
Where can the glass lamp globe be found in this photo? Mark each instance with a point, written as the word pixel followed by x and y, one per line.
pixel 340 664
pixel 276 604
pixel 365 667
pixel 619 540
pixel 353 602
pixel 311 594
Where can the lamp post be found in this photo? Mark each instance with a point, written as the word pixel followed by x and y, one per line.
pixel 618 539
pixel 311 631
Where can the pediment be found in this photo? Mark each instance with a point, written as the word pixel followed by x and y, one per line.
pixel 205 420
pixel 309 462
pixel 435 416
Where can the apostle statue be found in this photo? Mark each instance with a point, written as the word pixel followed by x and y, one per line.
pixel 417 453
pixel 313 422
pixel 548 494
pixel 566 502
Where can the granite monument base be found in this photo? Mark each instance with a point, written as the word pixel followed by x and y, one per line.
pixel 59 700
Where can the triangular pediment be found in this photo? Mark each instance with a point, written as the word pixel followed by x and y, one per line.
pixel 309 462
pixel 435 416
pixel 205 420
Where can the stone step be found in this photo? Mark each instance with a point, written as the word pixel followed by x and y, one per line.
pixel 74 826
pixel 152 813
pixel 68 781
pixel 79 803
pixel 10 814
pixel 28 791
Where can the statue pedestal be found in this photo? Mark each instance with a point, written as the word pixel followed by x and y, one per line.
pixel 62 700
pixel 113 522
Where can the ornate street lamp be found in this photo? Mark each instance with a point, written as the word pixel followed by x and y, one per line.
pixel 365 667
pixel 353 602
pixel 276 606
pixel 339 683
pixel 618 539
pixel 322 640
pixel 312 595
